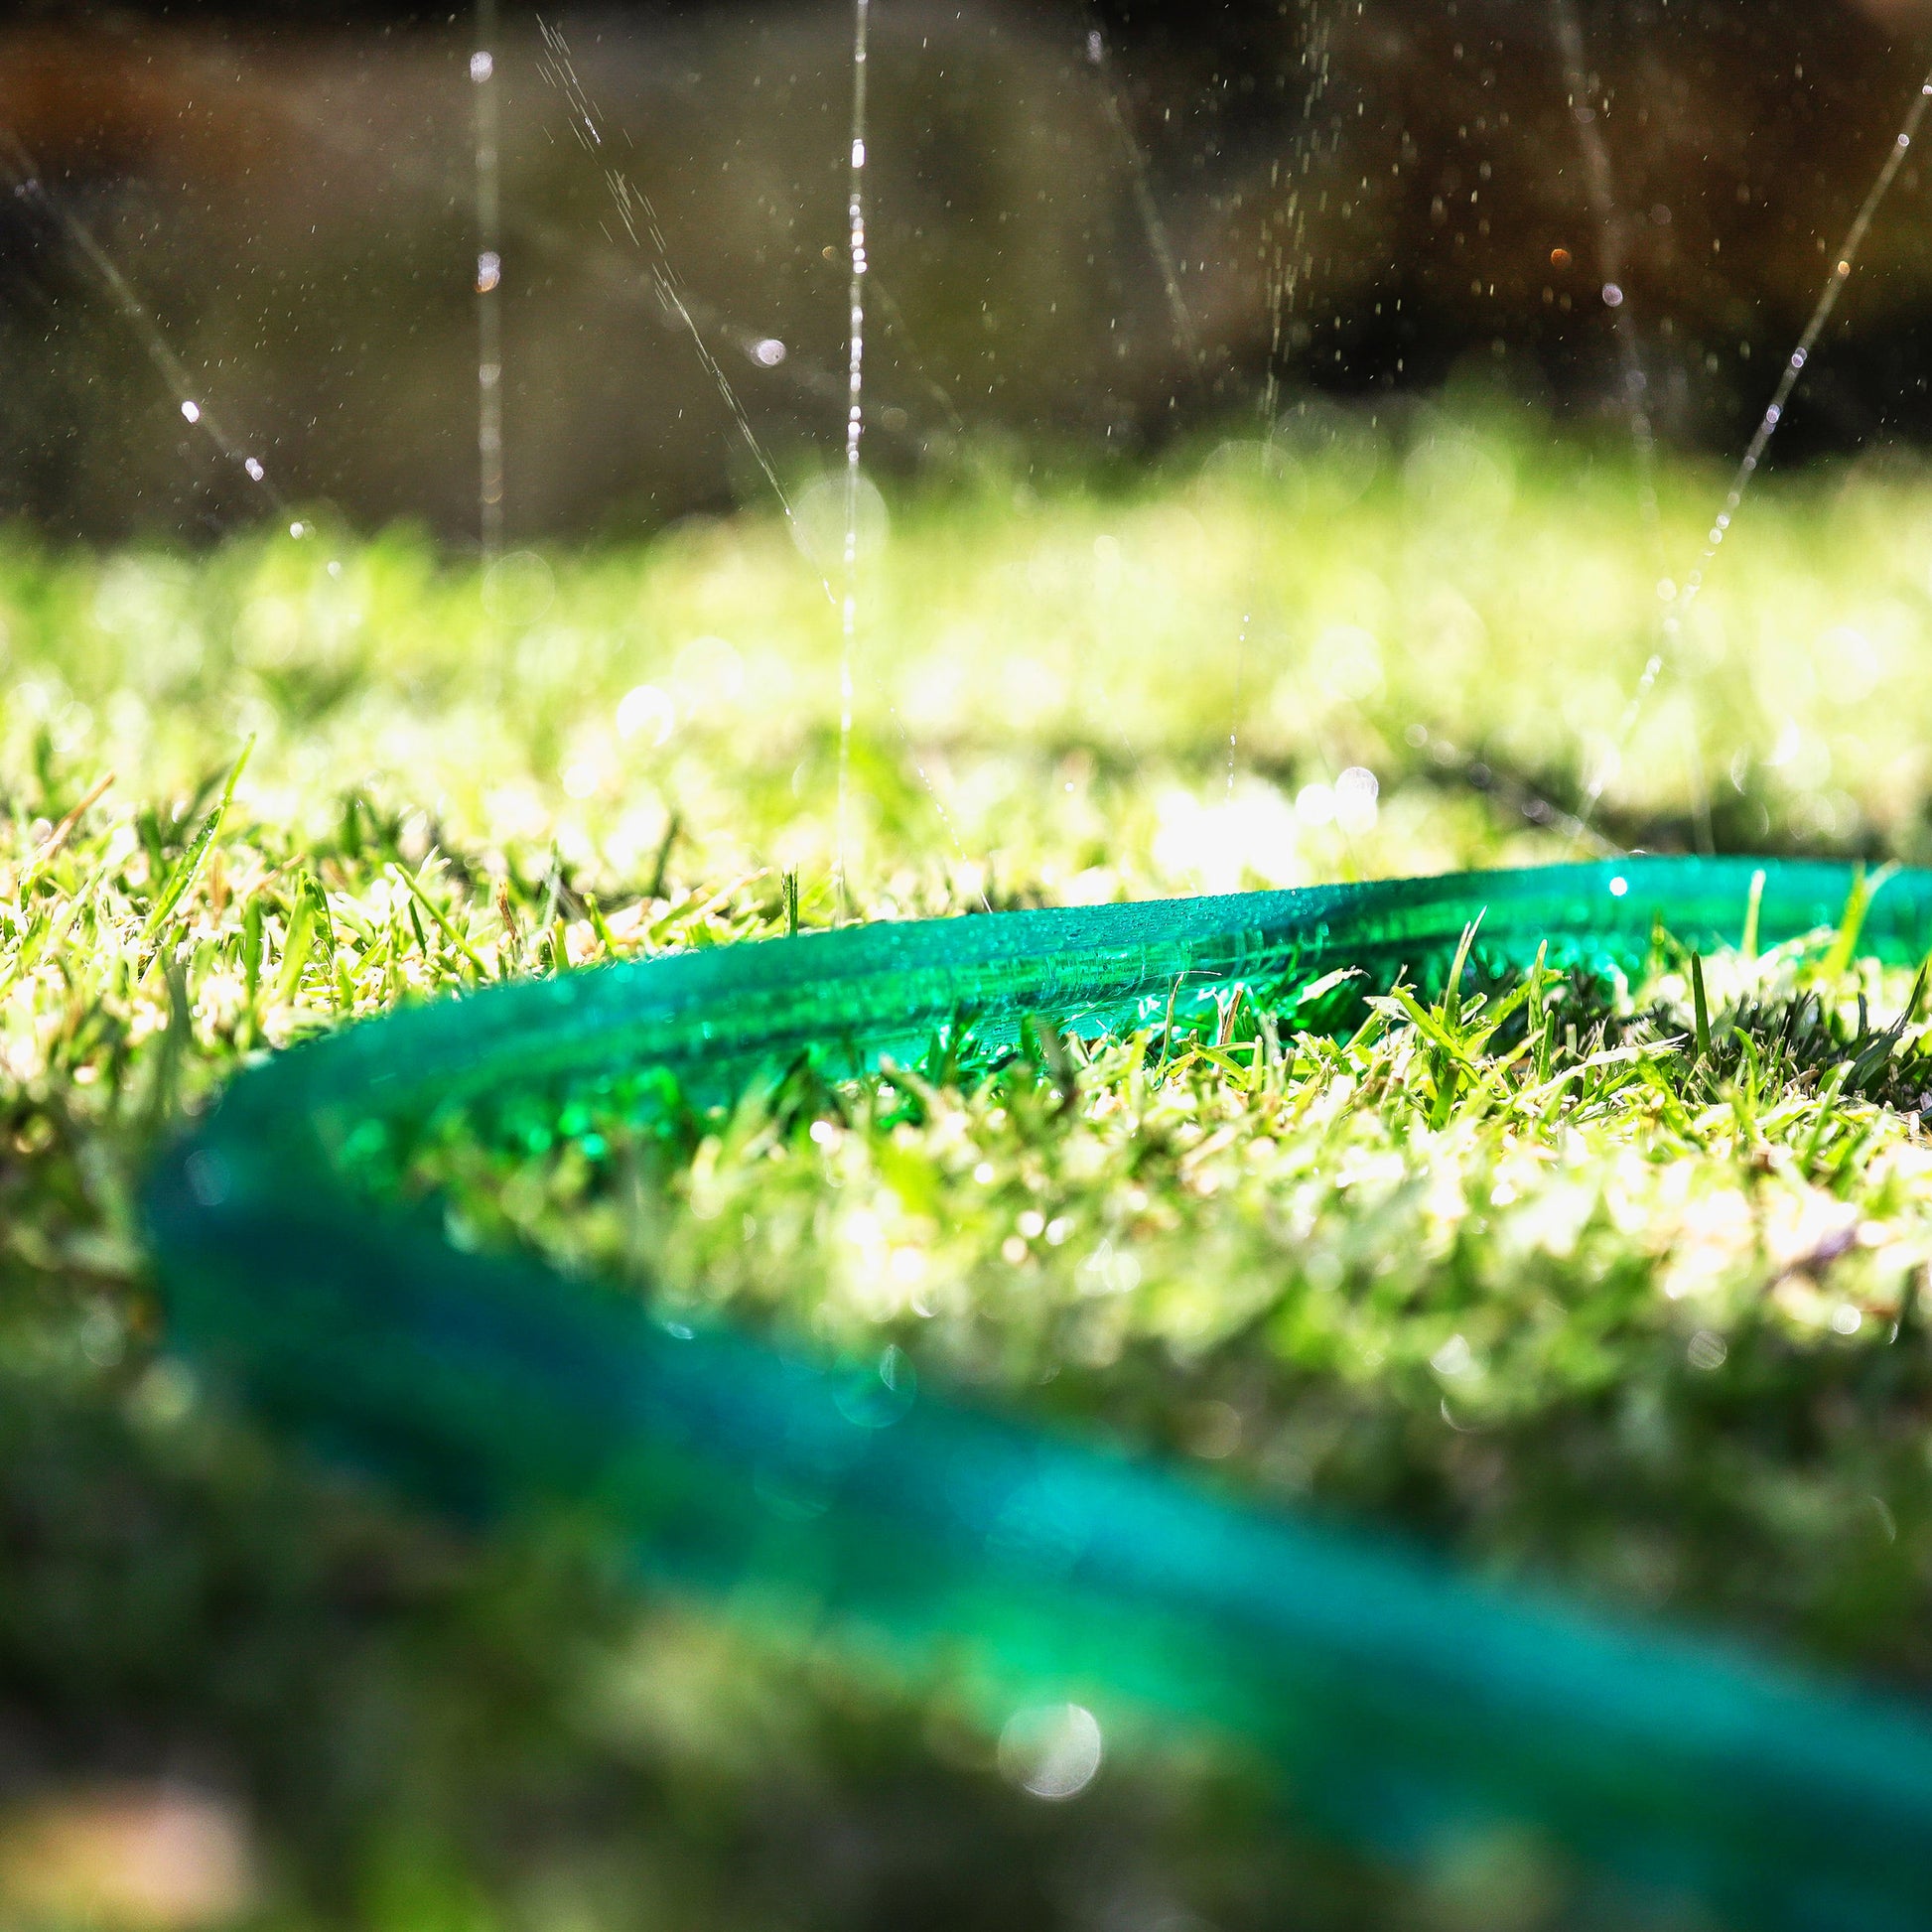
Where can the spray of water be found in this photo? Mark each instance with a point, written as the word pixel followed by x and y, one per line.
pixel 615 271
pixel 1681 598
pixel 1283 283
pixel 880 297
pixel 1285 231
pixel 1588 105
pixel 1141 178
pixel 1240 695
pixel 1820 314
pixel 30 186
pixel 1290 267
pixel 1586 110
pixel 485 85
pixel 855 419
pixel 646 233
pixel 1161 247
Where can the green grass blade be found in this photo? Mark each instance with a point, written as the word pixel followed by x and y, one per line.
pixel 190 863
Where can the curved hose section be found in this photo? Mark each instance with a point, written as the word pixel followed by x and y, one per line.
pixel 1402 1705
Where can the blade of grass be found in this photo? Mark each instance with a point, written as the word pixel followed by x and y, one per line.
pixel 1753 906
pixel 183 872
pixel 1837 960
pixel 1702 1006
pixel 437 913
pixel 51 847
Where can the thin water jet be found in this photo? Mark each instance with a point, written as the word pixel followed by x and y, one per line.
pixel 640 223
pixel 1586 108
pixel 1281 286
pixel 680 309
pixel 1139 176
pixel 1240 679
pixel 30 186
pixel 485 85
pixel 1286 278
pixel 1680 597
pixel 1795 365
pixel 854 428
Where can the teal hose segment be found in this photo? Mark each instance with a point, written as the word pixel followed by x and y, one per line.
pixel 1400 1703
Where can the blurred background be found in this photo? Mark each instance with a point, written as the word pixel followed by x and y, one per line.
pixel 1095 227
pixel 1251 387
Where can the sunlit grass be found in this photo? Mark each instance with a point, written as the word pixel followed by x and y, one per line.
pixel 1580 1288
pixel 1336 1267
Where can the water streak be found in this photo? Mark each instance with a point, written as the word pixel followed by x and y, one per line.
pixel 1682 598
pixel 1820 314
pixel 1587 104
pixel 855 423
pixel 642 224
pixel 1285 238
pixel 614 269
pixel 646 233
pixel 30 186
pixel 1586 110
pixel 1141 178
pixel 1284 283
pixel 1240 682
pixel 490 282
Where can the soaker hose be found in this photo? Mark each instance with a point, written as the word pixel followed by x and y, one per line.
pixel 1402 1705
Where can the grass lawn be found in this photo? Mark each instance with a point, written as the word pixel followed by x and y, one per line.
pixel 1573 1297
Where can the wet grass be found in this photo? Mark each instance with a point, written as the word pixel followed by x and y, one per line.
pixel 1612 1284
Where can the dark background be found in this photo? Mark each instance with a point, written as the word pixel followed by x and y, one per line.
pixel 288 192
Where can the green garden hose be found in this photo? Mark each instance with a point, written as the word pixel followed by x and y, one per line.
pixel 1403 1707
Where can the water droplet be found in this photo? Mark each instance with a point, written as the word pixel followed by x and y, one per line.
pixel 208 1178
pixel 1356 793
pixel 519 589
pixel 489 271
pixel 1612 296
pixel 255 469
pixel 858 154
pixel 481 65
pixel 1053 1751
pixel 877 1395
pixel 192 410
pixel 770 352
pixel 1619 886
pixel 1707 1352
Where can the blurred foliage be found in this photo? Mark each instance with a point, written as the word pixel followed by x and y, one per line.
pixel 1576 1279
